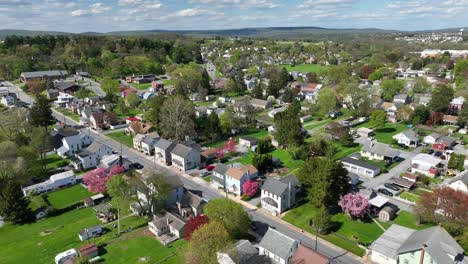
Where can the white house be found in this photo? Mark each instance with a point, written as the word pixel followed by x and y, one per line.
pixel 360 167
pixel 374 150
pixel 167 224
pixel 248 141
pixel 74 144
pixel 218 176
pixel 277 246
pixel 431 139
pixel 91 156
pixel 425 164
pixel 162 150
pixel 55 181
pixel 185 158
pixel 279 195
pixel 460 183
pixel 236 176
pixel 273 112
pixel 69 255
pixel 63 99
pixel 407 138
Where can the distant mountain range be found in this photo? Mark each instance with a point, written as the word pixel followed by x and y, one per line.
pixel 245 32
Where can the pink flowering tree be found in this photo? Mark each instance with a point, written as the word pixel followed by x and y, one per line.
pixel 230 145
pixel 354 204
pixel 220 153
pixel 96 180
pixel 250 188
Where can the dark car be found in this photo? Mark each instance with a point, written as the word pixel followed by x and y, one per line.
pixel 430 151
pixel 438 154
pixel 391 186
pixel 136 165
pixel 385 191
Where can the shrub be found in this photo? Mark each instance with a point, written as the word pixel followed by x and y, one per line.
pixel 246 198
pixel 454 229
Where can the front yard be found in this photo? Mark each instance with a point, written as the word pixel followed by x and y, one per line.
pixel 385 134
pixel 122 138
pixel 66 197
pixel 255 133
pixel 409 196
pixel 68 113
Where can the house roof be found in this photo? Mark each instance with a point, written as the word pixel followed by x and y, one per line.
pixel 305 255
pixel 245 253
pixel 278 243
pixel 221 168
pixel 181 150
pixel 446 140
pixel 450 118
pixel 250 169
pixel 252 140
pixel 278 187
pixel 94 147
pixel 165 144
pixel 168 219
pixel 378 201
pixel 360 163
pixel 85 250
pixel 379 149
pixel 235 173
pixel 41 74
pixel 192 200
pixel 256 101
pixel 64 85
pixel 439 244
pixel 426 159
pixel 400 97
pixel 434 135
pixel 387 105
pixel 62 175
pixel 391 240
pixel 409 133
pixel 463 178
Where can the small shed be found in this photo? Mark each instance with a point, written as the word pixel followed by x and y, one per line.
pixel 306 118
pixel 378 201
pixel 88 251
pixel 402 182
pixel 410 176
pixel 387 213
pixel 365 132
pixel 93 200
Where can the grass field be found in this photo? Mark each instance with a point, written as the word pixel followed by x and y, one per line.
pixel 409 196
pixel 131 112
pixel 122 138
pixel 69 113
pixel 142 86
pixel 255 133
pixel 407 219
pixel 281 154
pixel 167 82
pixel 67 197
pixel 385 134
pixel 304 67
pixel 342 151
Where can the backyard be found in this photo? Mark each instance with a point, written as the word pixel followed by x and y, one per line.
pixel 142 86
pixel 40 242
pixel 304 67
pixel 69 113
pixel 385 134
pixel 122 138
pixel 255 133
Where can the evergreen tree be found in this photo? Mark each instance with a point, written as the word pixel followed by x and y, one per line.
pixel 288 127
pixel 14 206
pixel 41 112
pixel 213 128
pixel 257 91
pixel 441 97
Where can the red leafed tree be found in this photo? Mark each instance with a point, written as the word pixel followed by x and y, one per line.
pixel 443 205
pixel 250 187
pixel 366 70
pixel 193 224
pixel 230 145
pixel 96 180
pixel 354 204
pixel 435 118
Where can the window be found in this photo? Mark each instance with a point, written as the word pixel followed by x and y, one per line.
pixel 412 254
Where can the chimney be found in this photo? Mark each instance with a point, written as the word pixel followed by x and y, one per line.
pixel 423 252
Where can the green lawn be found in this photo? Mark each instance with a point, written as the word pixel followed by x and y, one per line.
pixel 142 86
pixel 207 179
pixel 348 231
pixel 342 151
pixel 385 134
pixel 409 196
pixel 281 154
pixel 407 219
pixel 54 161
pixel 255 133
pixel 304 67
pixel 315 124
pixel 205 103
pixel 131 112
pixel 167 82
pixel 69 113
pixel 67 197
pixel 122 138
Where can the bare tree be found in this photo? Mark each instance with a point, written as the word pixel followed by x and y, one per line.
pixel 177 118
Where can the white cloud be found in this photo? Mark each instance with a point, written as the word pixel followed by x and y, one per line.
pixel 98 8
pixel 244 4
pixel 191 12
pixel 15 2
pixel 79 13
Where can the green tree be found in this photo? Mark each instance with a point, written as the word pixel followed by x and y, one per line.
pixel 119 190
pixel 213 128
pixel 177 118
pixel 461 74
pixel 441 97
pixel 376 75
pixel 288 96
pixel 390 88
pixel 288 127
pixel 132 100
pixel 230 214
pixel 463 114
pixel 154 188
pixel 110 87
pixel 421 85
pixel 264 146
pixel 420 115
pixel 378 119
pixel 153 113
pixel 14 206
pixel 324 180
pixel 262 162
pixel 206 241
pixel 326 101
pixel 257 91
pixel 229 120
pixel 456 162
pixel 322 221
pixel 41 112
pixel 405 114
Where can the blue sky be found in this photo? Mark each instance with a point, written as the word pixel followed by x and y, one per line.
pixel 114 15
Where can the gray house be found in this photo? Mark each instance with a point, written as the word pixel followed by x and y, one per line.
pixel 163 149
pixel 185 158
pixel 360 167
pixel 219 174
pixel 277 246
pixel 279 195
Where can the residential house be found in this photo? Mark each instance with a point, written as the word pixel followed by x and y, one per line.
pixel 91 156
pixel 88 251
pixel 137 139
pixel 146 95
pixel 262 104
pixel 125 91
pixel 278 196
pixel 401 99
pixel 218 177
pixel 6 98
pixel 67 87
pixel 460 183
pixel 391 110
pixel 138 127
pixel 306 255
pixel 421 99
pixel 399 244
pixel 55 181
pixel 73 144
pixel 157 86
pixel 43 75
pixel 425 164
pixel 236 176
pixel 277 246
pixel 102 120
pixel 450 120
pixel 248 141
pixel 305 118
pixel 407 138
pixel 242 253
pixel 311 91
pixel 149 142
pixel 365 132
pixel 185 158
pixel 410 176
pixel 443 143
pixel 190 205
pixel 360 167
pixel 402 182
pixel 90 232
pixel 456 105
pixel 63 99
pixel 52 94
pixel 163 149
pixel 60 132
pixel 374 150
pixel 200 111
pixel 167 227
pixel 431 139
pixel 208 155
pixel 273 112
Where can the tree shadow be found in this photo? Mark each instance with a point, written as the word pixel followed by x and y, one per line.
pixel 385 130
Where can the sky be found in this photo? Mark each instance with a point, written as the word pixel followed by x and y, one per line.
pixel 120 15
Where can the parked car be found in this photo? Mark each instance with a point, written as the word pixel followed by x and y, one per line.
pixel 136 165
pixel 430 151
pixel 210 167
pixel 205 173
pixel 391 186
pixel 438 154
pixel 385 191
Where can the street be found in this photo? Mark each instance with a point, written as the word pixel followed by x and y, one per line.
pixel 336 254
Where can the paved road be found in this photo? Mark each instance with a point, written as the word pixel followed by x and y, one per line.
pixel 95 87
pixel 262 221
